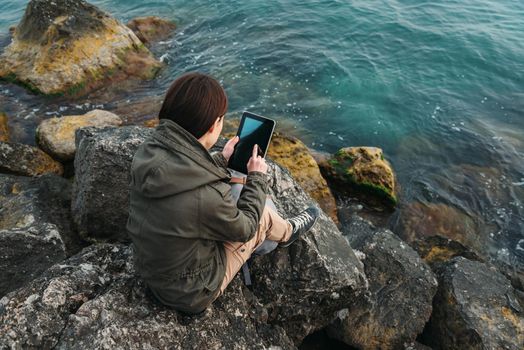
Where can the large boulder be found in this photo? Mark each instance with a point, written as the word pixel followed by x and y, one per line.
pixel 363 171
pixel 94 301
pixel 475 308
pixel 35 227
pixel 4 130
pixel 321 268
pixel 100 199
pixel 26 160
pixel 151 28
pixel 56 136
pixel 401 290
pixel 70 47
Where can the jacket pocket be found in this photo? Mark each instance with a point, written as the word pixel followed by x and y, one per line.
pixel 222 188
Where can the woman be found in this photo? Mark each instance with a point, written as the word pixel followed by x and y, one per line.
pixel 190 235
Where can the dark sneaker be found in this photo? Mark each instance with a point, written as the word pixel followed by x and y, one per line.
pixel 301 223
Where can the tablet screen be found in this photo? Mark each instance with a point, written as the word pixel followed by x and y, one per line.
pixel 253 130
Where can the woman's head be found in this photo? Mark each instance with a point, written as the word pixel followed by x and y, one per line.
pixel 194 101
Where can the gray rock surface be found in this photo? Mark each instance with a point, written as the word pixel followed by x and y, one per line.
pixel 56 136
pixel 35 227
pixel 401 290
pixel 21 159
pixel 100 190
pixel 321 268
pixel 93 301
pixel 475 308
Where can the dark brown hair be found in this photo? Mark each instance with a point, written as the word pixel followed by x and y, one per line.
pixel 194 101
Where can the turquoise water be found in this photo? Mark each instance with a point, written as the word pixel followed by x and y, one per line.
pixel 438 86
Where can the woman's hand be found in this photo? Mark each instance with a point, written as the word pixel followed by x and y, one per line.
pixel 230 147
pixel 256 162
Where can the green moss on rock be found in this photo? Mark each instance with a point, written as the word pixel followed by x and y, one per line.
pixel 362 171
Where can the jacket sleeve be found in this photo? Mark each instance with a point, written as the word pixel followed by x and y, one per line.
pixel 237 222
pixel 219 159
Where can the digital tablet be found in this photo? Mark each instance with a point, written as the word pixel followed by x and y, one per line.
pixel 253 130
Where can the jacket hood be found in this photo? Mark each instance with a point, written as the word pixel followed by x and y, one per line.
pixel 183 166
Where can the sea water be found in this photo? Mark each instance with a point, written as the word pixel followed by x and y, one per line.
pixel 439 86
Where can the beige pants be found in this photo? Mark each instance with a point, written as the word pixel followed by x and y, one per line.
pixel 271 226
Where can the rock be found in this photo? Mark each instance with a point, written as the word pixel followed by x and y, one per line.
pixel 4 129
pixel 151 28
pixel 295 156
pixel 100 190
pixel 138 112
pixel 71 47
pixel 56 136
pixel 328 274
pixel 364 171
pixel 419 220
pixel 94 299
pixel 151 123
pixel 401 290
pixel 435 250
pixel 320 268
pixel 475 308
pixel 35 227
pixel 20 159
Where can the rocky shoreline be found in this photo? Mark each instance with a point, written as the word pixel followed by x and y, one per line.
pixel 66 270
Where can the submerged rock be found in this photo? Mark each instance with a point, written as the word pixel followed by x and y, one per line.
pixel 70 47
pixel 475 308
pixel 362 170
pixel 56 136
pixel 401 290
pixel 20 159
pixel 437 249
pixel 420 220
pixel 4 130
pixel 100 200
pixel 35 227
pixel 151 28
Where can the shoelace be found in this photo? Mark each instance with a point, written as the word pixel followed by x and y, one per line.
pixel 301 220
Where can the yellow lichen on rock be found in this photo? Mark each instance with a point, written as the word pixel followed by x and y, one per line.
pixel 66 58
pixel 21 159
pixel 4 130
pixel 295 156
pixel 151 123
pixel 56 136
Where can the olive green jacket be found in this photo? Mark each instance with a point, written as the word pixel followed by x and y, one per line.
pixel 181 210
